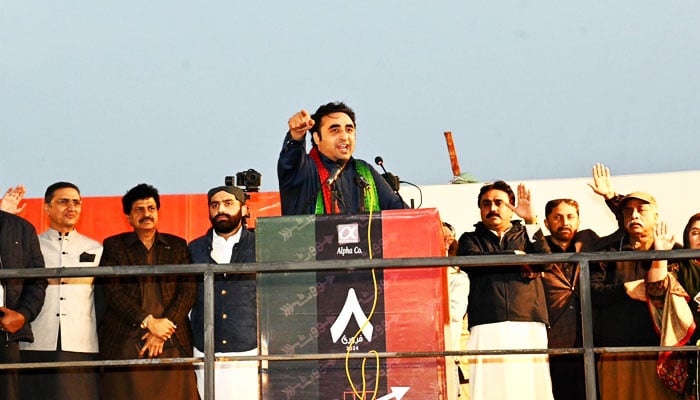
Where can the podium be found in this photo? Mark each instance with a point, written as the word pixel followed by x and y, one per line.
pixel 320 312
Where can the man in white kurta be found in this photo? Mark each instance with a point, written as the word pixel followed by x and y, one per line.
pixel 65 329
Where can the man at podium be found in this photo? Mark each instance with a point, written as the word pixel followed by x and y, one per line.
pixel 328 180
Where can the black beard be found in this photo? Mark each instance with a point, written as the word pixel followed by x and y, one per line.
pixel 227 225
pixel 559 235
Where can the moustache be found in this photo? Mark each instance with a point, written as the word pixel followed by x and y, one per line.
pixel 144 219
pixel 493 214
pixel 635 222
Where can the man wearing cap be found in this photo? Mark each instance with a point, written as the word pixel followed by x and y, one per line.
pixel 328 180
pixel 235 313
pixel 629 298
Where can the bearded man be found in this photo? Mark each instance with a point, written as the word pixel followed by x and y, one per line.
pixel 235 313
pixel 561 286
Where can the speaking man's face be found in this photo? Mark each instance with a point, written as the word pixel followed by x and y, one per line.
pixel 337 138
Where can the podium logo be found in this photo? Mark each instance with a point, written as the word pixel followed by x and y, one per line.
pixel 351 309
pixel 348 233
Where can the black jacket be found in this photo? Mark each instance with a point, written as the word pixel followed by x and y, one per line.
pixel 503 293
pixel 620 320
pixel 19 248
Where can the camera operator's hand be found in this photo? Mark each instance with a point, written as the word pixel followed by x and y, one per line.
pixel 299 124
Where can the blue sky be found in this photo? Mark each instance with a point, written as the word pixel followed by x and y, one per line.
pixel 180 94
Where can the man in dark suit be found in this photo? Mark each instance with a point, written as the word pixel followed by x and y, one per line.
pixel 146 316
pixel 561 285
pixel 20 299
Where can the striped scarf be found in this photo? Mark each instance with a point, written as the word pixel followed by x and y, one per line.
pixel 324 198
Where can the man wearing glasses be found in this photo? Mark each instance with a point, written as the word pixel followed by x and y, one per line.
pixel 65 329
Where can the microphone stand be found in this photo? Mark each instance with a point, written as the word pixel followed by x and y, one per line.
pixel 365 186
pixel 334 175
pixel 379 161
pixel 336 199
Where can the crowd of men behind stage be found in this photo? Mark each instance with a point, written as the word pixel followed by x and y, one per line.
pixel 636 303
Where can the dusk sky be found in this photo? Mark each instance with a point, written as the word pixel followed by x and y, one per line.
pixel 180 94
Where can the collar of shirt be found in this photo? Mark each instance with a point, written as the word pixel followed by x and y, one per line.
pixel 55 235
pixel 222 248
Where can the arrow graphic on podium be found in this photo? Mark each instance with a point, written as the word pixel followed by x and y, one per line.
pixel 397 392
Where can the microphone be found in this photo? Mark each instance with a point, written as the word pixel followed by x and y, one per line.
pixel 379 161
pixel 335 173
pixel 391 179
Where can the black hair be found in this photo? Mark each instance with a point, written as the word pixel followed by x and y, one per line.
pixel 498 185
pixel 686 231
pixel 330 108
pixel 552 204
pixel 141 191
pixel 48 195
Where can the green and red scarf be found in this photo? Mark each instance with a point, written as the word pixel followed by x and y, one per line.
pixel 324 198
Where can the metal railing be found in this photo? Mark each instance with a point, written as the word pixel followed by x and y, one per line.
pixel 208 271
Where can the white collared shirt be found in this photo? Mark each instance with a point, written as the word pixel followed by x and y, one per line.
pixel 222 249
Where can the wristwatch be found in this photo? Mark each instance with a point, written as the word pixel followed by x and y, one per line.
pixel 144 323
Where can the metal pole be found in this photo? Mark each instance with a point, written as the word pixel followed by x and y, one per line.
pixel 209 335
pixel 587 330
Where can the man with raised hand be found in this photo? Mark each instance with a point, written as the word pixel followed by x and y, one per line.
pixel 328 180
pixel 562 289
pixel 20 299
pixel 507 307
pixel 633 300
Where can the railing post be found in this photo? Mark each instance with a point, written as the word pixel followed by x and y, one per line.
pixel 209 345
pixel 587 330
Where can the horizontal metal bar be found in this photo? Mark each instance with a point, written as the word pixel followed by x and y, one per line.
pixel 340 356
pixel 419 262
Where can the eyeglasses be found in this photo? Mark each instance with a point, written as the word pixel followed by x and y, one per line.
pixel 65 202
